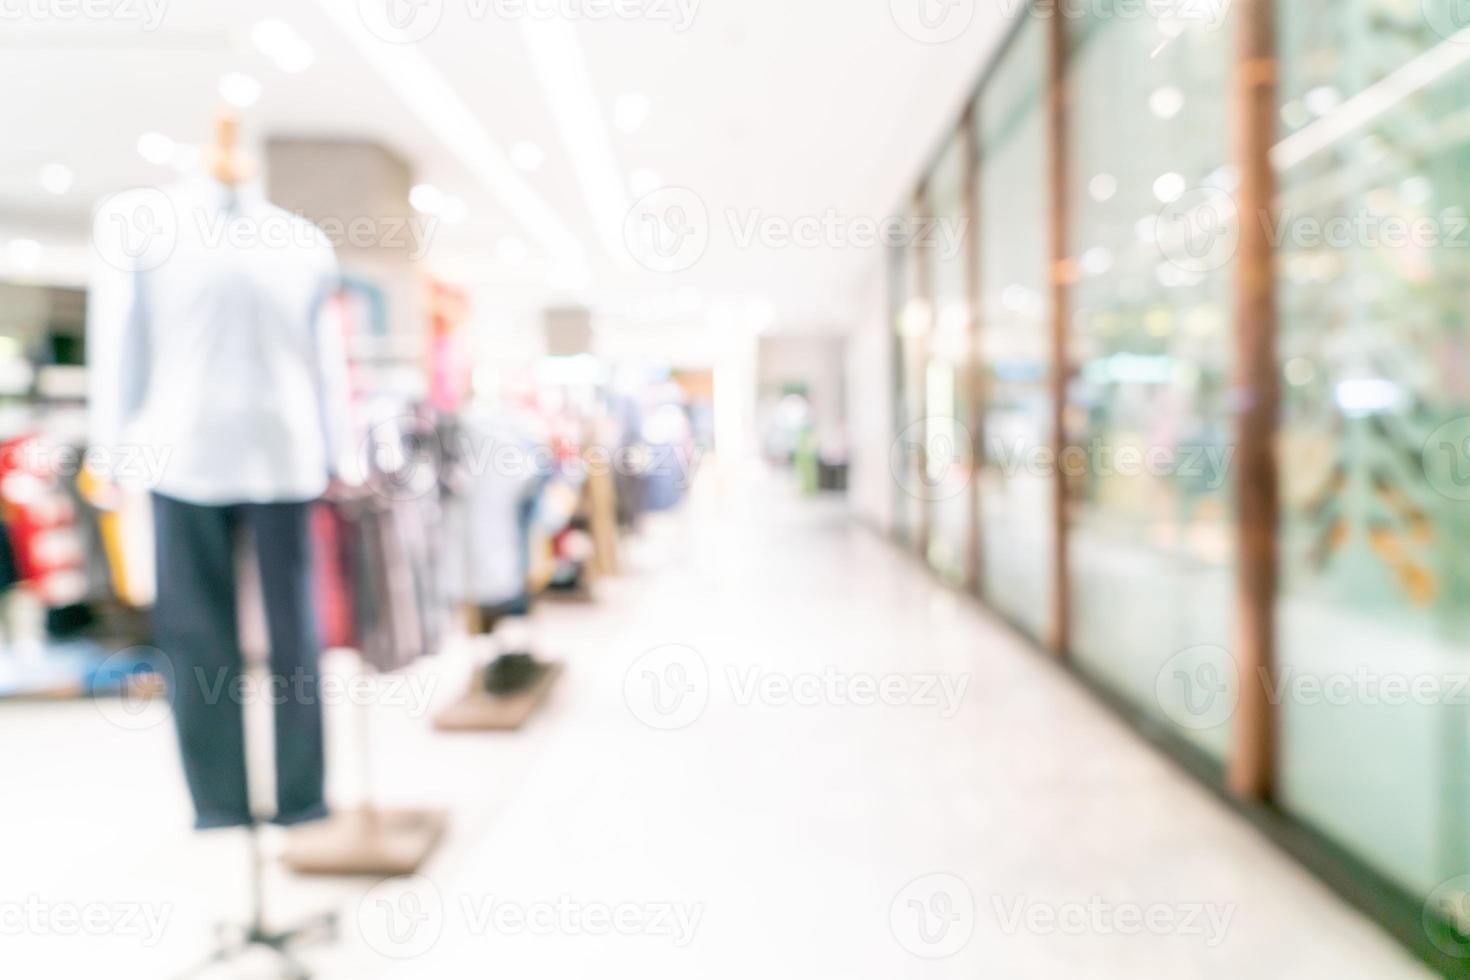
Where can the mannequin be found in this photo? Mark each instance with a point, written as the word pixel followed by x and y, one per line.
pixel 226 163
pixel 222 355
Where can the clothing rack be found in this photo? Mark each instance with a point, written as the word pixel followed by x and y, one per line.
pixel 372 839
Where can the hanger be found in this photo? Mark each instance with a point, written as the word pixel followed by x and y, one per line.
pixel 227 164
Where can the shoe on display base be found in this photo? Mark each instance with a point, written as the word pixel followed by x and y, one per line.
pixel 480 710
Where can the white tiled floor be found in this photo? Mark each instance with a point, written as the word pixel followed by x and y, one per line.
pixel 761 838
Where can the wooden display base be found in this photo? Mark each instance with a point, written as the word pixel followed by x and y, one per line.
pixel 366 841
pixel 581 594
pixel 481 711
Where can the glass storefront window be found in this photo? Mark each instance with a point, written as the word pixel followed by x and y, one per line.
pixel 1151 519
pixel 898 455
pixel 907 455
pixel 1374 277
pixel 1016 493
pixel 947 410
pixel 1373 254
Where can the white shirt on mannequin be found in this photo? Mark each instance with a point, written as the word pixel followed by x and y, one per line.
pixel 215 348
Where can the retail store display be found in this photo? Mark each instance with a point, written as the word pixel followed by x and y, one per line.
pixel 497 514
pixel 560 542
pixel 482 710
pixel 43 552
pixel 601 505
pixel 67 623
pixel 328 476
pixel 375 598
pixel 218 355
pixel 196 627
pixel 491 506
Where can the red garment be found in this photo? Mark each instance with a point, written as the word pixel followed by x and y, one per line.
pixel 42 522
pixel 329 579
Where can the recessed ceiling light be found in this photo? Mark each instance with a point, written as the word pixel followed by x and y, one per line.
pixel 426 198
pixel 1322 100
pixel 1295 115
pixel 57 178
pixel 567 277
pixel 1096 261
pixel 279 42
pixel 1417 190
pixel 1300 371
pixel 527 156
pixel 185 158
pixel 1169 187
pixel 631 111
pixel 1166 102
pixel 511 251
pixel 239 89
pixel 156 148
pixel 24 253
pixel 953 318
pixel 454 210
pixel 762 317
pixel 1225 178
pixel 1102 187
pixel 644 182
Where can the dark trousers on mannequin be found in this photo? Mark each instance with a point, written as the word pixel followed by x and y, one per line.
pixel 196 626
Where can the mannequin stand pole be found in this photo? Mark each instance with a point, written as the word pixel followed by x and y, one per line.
pixel 232 941
pixel 368 840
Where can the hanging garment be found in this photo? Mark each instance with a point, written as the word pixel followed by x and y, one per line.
pixel 49 553
pixel 602 520
pixel 125 523
pixel 9 573
pixel 196 628
pixel 489 527
pixel 330 573
pixel 384 610
pixel 225 362
pixel 401 598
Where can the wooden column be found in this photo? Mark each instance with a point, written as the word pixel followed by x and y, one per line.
pixel 977 388
pixel 1058 210
pixel 1256 401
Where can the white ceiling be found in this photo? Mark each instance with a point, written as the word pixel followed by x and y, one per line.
pixel 774 108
